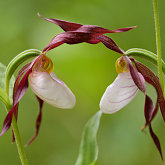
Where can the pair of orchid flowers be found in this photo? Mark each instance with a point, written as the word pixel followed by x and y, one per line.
pixel 47 87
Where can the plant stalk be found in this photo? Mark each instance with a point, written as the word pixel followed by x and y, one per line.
pixel 158 42
pixel 18 141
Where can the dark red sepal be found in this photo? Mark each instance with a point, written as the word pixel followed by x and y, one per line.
pixel 121 30
pixel 38 121
pixel 19 93
pixel 20 88
pixel 152 79
pixel 7 121
pixel 65 25
pixel 71 37
pixel 71 26
pixel 53 44
pixel 149 114
pixel 155 109
pixel 136 76
pixel 19 75
pixel 156 141
pixel 148 109
pixel 25 68
pixel 109 43
pixel 78 33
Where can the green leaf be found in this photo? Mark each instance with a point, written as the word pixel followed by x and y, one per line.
pixel 19 59
pixel 2 80
pixel 88 152
pixel 4 98
pixel 148 55
pixel 7 79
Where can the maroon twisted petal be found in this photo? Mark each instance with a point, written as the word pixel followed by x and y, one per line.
pixel 38 121
pixel 149 111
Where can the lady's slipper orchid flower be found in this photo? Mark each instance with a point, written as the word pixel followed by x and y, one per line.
pixel 129 81
pixel 77 33
pixel 46 86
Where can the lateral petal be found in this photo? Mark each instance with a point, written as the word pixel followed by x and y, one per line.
pixel 118 94
pixel 38 121
pixel 52 90
pixel 152 79
pixel 109 43
pixel 136 76
pixel 71 26
pixel 65 25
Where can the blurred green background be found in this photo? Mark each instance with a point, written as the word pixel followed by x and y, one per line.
pixel 87 70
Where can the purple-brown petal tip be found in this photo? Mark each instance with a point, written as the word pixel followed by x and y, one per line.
pixel 156 141
pixel 148 109
pixel 7 121
pixel 136 76
pixel 152 79
pixel 109 43
pixel 38 121
pixel 77 33
pixel 121 30
pixel 65 25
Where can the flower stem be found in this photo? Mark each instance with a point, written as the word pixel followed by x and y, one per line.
pixel 158 42
pixel 12 66
pixel 18 139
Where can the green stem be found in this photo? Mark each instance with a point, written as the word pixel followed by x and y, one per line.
pixel 12 66
pixel 158 42
pixel 17 138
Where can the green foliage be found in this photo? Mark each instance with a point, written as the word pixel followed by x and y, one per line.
pixel 88 148
pixel 148 55
pixel 19 59
pixel 3 95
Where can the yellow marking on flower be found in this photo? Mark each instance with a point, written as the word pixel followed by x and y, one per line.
pixel 44 64
pixel 122 65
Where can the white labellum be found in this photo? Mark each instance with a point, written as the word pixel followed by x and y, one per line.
pixel 51 89
pixel 119 93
